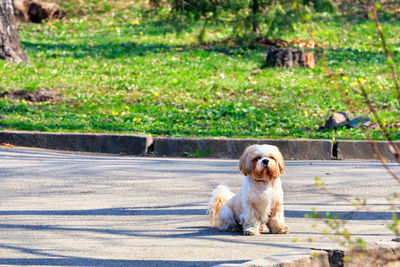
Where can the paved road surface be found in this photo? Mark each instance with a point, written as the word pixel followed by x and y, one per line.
pixel 72 209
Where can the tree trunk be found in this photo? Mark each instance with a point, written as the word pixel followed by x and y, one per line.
pixel 255 10
pixel 10 46
pixel 286 57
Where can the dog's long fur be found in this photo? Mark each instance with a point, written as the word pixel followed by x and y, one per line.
pixel 259 202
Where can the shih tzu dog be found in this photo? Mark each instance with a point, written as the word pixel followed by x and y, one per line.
pixel 259 202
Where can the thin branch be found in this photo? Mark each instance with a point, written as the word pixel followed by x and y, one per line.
pixel 381 125
pixel 385 47
pixel 383 161
pixel 367 100
pixel 378 103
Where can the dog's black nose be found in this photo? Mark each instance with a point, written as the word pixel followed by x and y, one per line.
pixel 265 162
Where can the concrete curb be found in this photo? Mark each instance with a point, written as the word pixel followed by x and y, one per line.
pixel 362 149
pixel 98 143
pixel 231 148
pixel 292 149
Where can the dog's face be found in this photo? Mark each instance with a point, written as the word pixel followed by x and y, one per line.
pixel 262 162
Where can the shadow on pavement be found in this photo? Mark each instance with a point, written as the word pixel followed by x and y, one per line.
pixel 50 259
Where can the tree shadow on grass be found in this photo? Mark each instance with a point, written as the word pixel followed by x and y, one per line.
pixel 110 50
pixel 358 57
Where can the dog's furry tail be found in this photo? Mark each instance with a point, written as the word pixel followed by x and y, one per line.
pixel 219 197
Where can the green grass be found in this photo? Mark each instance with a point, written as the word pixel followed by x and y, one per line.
pixel 120 72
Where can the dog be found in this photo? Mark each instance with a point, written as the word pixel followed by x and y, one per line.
pixel 259 202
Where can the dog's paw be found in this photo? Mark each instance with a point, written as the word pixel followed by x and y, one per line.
pixel 284 229
pixel 251 231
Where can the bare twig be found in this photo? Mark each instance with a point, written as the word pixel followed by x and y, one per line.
pixel 385 47
pixel 332 222
pixel 383 161
pixel 382 127
pixel 368 101
pixel 378 103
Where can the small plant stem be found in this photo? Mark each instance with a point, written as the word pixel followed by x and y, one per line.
pixel 385 133
pixel 202 33
pixel 255 10
pixel 386 49
pixel 378 104
pixel 368 101
pixel 379 155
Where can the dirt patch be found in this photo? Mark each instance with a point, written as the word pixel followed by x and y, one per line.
pixel 372 257
pixel 43 95
pixel 375 257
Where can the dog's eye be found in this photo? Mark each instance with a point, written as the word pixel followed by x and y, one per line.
pixel 257 158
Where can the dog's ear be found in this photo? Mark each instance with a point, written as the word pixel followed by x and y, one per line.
pixel 245 160
pixel 281 163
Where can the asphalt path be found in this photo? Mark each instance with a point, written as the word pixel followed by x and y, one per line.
pixel 80 209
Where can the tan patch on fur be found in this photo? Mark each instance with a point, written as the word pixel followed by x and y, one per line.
pixel 213 212
pixel 275 225
pixel 253 173
pixel 274 172
pixel 280 161
pixel 275 209
pixel 257 215
pixel 243 160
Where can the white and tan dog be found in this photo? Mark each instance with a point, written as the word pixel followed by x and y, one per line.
pixel 259 202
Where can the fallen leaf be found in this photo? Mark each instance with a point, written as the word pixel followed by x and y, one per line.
pixel 257 71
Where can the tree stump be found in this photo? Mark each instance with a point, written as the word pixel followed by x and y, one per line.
pixel 10 46
pixel 36 11
pixel 287 57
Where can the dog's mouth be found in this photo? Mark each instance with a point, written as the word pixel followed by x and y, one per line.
pixel 262 175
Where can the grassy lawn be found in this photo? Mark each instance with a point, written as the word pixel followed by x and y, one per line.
pixel 117 71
